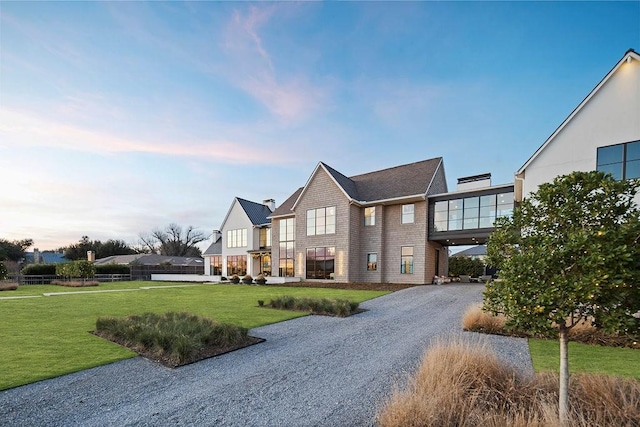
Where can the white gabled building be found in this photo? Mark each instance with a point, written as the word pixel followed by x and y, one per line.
pixel 243 244
pixel 602 133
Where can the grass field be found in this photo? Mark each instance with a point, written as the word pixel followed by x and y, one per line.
pixel 614 361
pixel 48 336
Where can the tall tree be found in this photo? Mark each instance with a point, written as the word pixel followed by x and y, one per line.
pixel 173 241
pixel 570 253
pixel 14 250
pixel 111 247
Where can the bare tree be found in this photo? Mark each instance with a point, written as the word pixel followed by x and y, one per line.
pixel 173 241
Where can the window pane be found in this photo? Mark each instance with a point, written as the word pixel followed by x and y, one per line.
pixel 489 200
pixel 487 222
pixel 244 237
pixel 633 151
pixel 440 225
pixel 614 169
pixel 455 204
pixel 471 202
pixel 608 155
pixel 442 206
pixel 633 169
pixel 372 262
pixel 407 214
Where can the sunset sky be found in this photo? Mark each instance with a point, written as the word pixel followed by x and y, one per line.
pixel 120 117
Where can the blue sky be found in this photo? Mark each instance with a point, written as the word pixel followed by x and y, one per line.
pixel 120 117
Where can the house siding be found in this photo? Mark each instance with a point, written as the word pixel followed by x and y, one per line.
pixel 322 191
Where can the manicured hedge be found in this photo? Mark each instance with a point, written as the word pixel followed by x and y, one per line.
pixel 113 269
pixel 40 270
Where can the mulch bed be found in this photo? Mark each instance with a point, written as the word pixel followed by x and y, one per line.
pixel 75 283
pixel 165 360
pixel 9 286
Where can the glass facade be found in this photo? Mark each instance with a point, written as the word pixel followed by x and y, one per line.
pixel 237 238
pixel 215 267
pixel 321 263
pixel 321 221
pixel 621 160
pixel 265 238
pixel 236 264
pixel 471 213
pixel 287 239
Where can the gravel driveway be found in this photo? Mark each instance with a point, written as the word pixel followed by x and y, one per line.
pixel 311 371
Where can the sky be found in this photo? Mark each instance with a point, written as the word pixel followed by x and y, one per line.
pixel 117 118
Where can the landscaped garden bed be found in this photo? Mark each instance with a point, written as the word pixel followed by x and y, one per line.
pixel 174 339
pixel 323 306
pixel 75 283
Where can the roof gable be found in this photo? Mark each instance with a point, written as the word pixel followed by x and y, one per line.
pixel 257 213
pixel 215 248
pixel 410 180
pixel 629 55
pixel 285 209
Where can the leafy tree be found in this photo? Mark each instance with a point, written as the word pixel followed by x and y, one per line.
pixel 465 265
pixel 569 254
pixel 14 251
pixel 76 269
pixel 173 241
pixel 111 247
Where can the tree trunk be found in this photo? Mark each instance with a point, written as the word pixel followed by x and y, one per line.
pixel 563 398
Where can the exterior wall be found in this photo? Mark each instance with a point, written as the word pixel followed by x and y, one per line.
pixel 237 219
pixel 322 192
pixel 611 116
pixel 369 239
pixel 396 235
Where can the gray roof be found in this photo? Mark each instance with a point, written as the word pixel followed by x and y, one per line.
pixel 399 181
pixel 474 251
pixel 215 248
pixel 150 259
pixel 285 208
pixel 257 212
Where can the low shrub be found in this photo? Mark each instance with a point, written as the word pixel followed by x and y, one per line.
pixel 235 279
pixel 75 283
pixel 247 279
pixel 173 338
pixel 477 320
pixel 260 279
pixel 462 385
pixel 337 307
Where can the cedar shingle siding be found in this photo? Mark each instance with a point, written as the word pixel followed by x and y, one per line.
pixel 386 190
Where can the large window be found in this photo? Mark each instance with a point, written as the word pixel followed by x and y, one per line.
pixel 321 221
pixel 215 267
pixel 408 214
pixel 372 262
pixel 321 263
pixel 237 238
pixel 287 238
pixel 265 238
pixel 471 212
pixel 370 216
pixel 406 263
pixel 236 264
pixel 622 160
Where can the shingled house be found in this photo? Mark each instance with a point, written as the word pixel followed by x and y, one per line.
pixel 365 228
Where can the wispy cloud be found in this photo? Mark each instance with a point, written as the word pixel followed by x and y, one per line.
pixel 31 130
pixel 289 97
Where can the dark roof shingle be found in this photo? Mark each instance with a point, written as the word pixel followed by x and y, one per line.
pixel 257 212
pixel 285 208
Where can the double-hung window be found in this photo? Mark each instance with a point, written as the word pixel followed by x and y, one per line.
pixel 408 213
pixel 370 216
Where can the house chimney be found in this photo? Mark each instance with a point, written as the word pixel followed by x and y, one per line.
pixel 91 256
pixel 270 203
pixel 36 256
pixel 216 235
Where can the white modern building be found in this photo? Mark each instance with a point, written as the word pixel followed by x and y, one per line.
pixel 602 133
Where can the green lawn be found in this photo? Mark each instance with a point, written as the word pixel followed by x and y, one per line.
pixel 586 358
pixel 48 336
